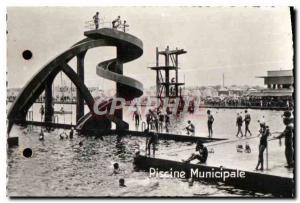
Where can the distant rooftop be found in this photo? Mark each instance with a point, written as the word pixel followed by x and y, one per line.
pixel 223 89
pixel 273 93
pixel 278 73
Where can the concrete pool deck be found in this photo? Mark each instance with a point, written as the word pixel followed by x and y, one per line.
pixel 225 154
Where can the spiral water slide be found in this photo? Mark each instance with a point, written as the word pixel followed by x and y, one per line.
pixel 128 48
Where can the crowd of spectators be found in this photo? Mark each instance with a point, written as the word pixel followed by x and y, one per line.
pixel 246 101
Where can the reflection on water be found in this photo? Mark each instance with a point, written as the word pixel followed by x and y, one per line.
pixel 65 168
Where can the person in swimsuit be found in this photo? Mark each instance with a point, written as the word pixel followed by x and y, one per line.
pixel 247 122
pixel 239 124
pixel 136 116
pixel 152 139
pixel 116 23
pixel 288 134
pixel 201 156
pixel 190 128
pixel 210 121
pixel 265 133
pixel 96 20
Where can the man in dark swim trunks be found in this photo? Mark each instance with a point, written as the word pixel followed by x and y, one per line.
pixel 96 20
pixel 239 124
pixel 210 121
pixel 42 112
pixel 288 134
pixel 152 139
pixel 71 133
pixel 122 182
pixel 167 122
pixel 265 133
pixel 149 118
pixel 136 116
pixel 161 118
pixel 202 156
pixel 247 120
pixel 155 122
pixel 190 128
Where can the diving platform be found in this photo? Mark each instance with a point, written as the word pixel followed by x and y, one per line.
pixel 172 83
pixel 163 67
pixel 176 137
pixel 167 81
pixel 51 125
pixel 106 132
pixel 161 136
pixel 175 52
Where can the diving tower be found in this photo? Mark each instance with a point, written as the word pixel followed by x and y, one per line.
pixel 165 85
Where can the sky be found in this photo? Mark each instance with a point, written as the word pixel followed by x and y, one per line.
pixel 241 42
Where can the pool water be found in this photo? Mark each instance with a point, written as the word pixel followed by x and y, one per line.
pixel 63 168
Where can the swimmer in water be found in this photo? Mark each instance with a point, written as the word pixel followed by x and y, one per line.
pixel 191 182
pixel 63 135
pixel 122 182
pixel 190 128
pixel 41 135
pixel 247 148
pixel 80 144
pixel 71 133
pixel 116 168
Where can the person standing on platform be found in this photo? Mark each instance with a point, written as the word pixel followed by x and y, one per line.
pixel 149 119
pixel 265 133
pixel 161 118
pixel 116 22
pixel 288 134
pixel 152 139
pixel 155 122
pixel 247 122
pixel 125 25
pixel 42 112
pixel 96 20
pixel 239 124
pixel 167 122
pixel 136 116
pixel 262 121
pixel 210 121
pixel 62 110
